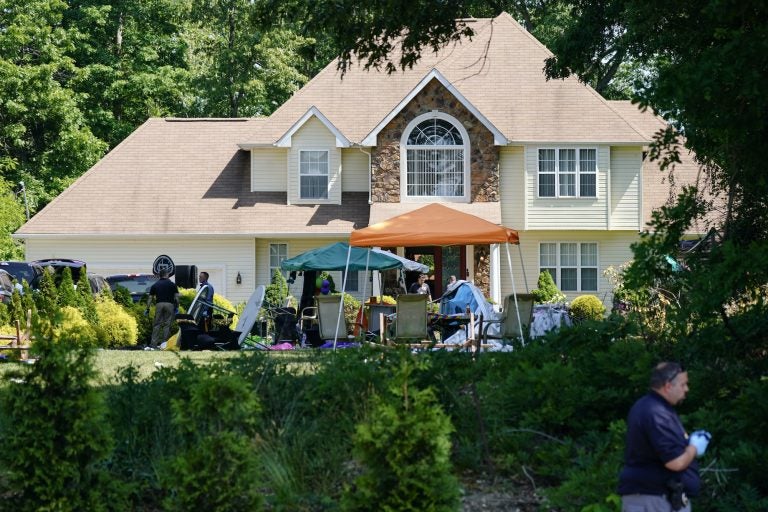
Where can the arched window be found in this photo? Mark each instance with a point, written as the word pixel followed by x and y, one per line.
pixel 435 154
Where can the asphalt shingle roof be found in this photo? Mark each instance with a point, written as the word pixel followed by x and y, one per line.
pixel 500 72
pixel 186 176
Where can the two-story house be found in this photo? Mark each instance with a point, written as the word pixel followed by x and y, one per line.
pixel 476 127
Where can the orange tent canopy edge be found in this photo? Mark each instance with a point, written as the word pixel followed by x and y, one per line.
pixel 433 224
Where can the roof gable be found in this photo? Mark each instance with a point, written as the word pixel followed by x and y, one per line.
pixel 285 140
pixel 498 75
pixel 434 74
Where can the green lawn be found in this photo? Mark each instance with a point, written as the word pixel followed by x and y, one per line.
pixel 108 362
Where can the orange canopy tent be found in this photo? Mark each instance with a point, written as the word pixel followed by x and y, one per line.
pixel 436 224
pixel 433 224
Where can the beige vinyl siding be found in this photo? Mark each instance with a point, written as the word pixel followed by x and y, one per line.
pixel 269 172
pixel 314 136
pixel 297 246
pixel 512 186
pixel 612 250
pixel 581 213
pixel 222 258
pixel 626 163
pixel 354 170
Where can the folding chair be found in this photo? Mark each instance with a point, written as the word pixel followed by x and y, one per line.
pixel 410 321
pixel 328 316
pixel 509 328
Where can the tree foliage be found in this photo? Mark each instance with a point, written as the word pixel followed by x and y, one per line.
pixel 44 138
pixel 77 77
pixel 374 31
pixel 11 217
pixel 709 82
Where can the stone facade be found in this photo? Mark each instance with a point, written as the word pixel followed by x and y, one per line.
pixel 482 270
pixel 484 155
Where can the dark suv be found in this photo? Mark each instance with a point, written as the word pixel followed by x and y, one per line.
pixel 137 284
pixel 23 271
pixel 6 287
pixel 58 265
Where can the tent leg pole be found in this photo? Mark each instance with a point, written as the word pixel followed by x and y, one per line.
pixel 514 294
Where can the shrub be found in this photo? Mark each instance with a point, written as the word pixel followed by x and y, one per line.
pixel 54 435
pixel 86 302
pixel 587 307
pixel 277 290
pixel 122 296
pixel 405 448
pixel 5 314
pixel 48 297
pixel 72 328
pixel 118 326
pixel 216 469
pixel 546 291
pixel 67 293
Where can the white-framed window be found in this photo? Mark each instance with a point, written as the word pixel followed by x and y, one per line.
pixel 435 159
pixel 313 174
pixel 277 253
pixel 567 172
pixel 572 265
pixel 353 281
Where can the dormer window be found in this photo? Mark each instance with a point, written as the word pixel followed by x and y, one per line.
pixel 313 174
pixel 436 158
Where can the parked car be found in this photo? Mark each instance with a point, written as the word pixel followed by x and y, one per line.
pixel 23 271
pixel 97 282
pixel 59 264
pixel 137 284
pixel 6 287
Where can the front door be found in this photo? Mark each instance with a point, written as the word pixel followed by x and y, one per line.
pixel 443 262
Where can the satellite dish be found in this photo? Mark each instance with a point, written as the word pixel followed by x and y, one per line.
pixel 250 314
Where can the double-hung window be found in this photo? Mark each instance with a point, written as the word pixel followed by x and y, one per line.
pixel 353 281
pixel 435 157
pixel 313 174
pixel 572 265
pixel 567 172
pixel 277 253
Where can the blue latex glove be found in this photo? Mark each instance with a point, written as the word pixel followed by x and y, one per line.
pixel 700 439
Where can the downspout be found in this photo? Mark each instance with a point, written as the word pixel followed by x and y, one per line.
pixel 370 174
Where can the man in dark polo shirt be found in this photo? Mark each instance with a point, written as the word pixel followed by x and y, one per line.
pixel 660 472
pixel 166 294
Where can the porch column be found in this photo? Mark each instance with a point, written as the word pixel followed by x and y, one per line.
pixel 495 277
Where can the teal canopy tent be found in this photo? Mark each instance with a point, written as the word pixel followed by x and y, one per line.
pixel 334 257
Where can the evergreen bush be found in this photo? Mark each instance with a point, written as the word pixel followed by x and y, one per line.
pixel 546 291
pixel 47 299
pixel 15 310
pixel 27 302
pixel 587 307
pixel 5 314
pixel 119 327
pixel 86 301
pixel 55 441
pixel 72 328
pixel 216 468
pixel 122 296
pixel 67 293
pixel 276 291
pixel 404 447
